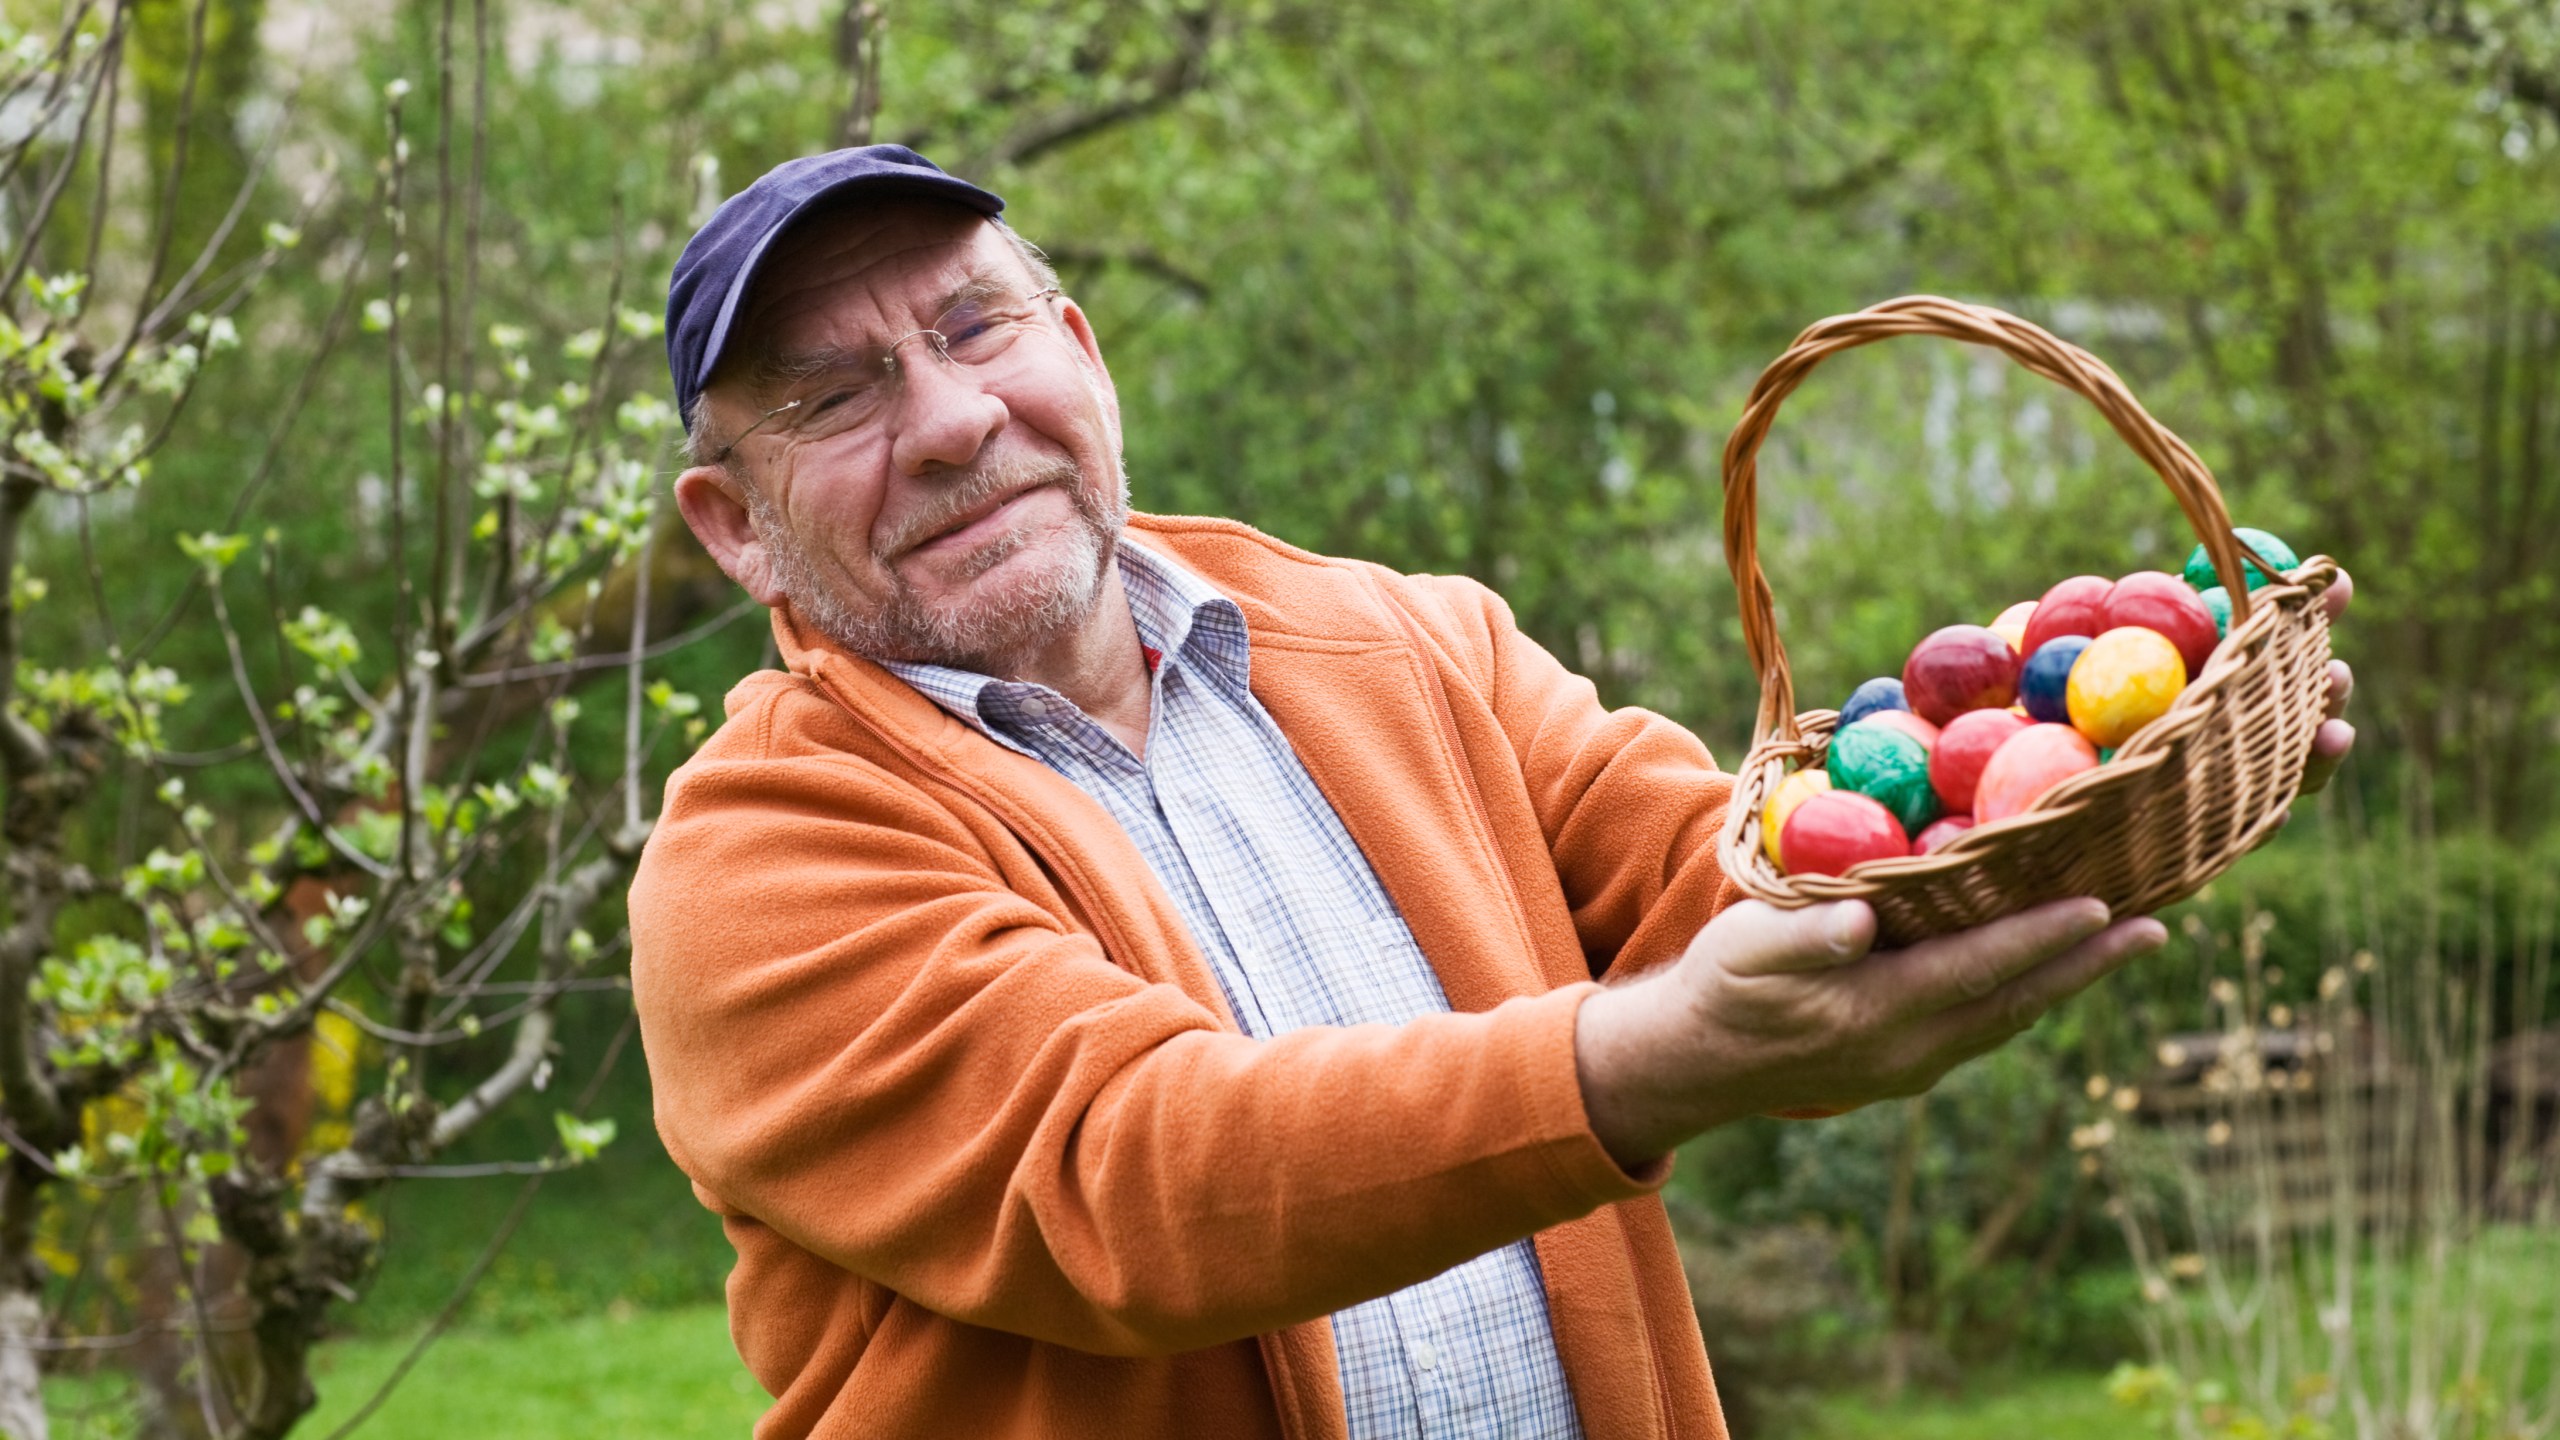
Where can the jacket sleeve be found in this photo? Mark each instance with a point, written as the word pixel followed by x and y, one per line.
pixel 863 1035
pixel 1631 804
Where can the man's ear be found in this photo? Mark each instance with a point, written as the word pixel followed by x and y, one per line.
pixel 715 509
pixel 1089 351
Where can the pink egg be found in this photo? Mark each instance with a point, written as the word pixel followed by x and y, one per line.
pixel 2028 764
pixel 1909 724
pixel 2077 606
pixel 1940 831
pixel 1963 748
pixel 1836 829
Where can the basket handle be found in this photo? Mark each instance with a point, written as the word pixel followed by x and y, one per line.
pixel 2056 360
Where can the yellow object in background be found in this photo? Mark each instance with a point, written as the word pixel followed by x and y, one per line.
pixel 1792 792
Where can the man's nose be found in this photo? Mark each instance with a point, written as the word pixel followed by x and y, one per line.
pixel 945 417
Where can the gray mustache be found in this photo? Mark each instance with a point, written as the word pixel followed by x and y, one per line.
pixel 975 487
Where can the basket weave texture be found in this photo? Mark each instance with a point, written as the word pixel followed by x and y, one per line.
pixel 2187 796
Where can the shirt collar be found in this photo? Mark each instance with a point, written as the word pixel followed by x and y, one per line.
pixel 1181 618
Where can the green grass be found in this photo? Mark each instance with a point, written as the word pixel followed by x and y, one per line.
pixel 2066 1405
pixel 666 1374
pixel 671 1375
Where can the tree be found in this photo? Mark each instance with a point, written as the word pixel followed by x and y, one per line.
pixel 410 824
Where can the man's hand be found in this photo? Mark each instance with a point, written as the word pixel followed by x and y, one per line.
pixel 2335 737
pixel 1785 1009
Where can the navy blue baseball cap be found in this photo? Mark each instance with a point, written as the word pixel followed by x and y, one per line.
pixel 720 261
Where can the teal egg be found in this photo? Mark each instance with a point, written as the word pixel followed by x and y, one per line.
pixel 1888 766
pixel 2200 566
pixel 2218 600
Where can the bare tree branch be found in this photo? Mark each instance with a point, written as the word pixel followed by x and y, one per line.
pixel 1187 71
pixel 859 35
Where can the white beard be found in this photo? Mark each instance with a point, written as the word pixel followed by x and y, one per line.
pixel 988 635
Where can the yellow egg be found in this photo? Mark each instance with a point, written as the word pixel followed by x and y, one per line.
pixel 2012 624
pixel 1792 792
pixel 2122 682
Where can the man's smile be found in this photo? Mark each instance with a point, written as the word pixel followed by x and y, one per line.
pixel 979 523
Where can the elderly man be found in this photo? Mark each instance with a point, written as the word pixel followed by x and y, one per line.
pixel 1128 977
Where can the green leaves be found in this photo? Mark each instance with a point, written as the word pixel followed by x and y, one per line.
pixel 213 552
pixel 328 640
pixel 582 1140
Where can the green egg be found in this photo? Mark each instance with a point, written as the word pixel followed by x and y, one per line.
pixel 2218 600
pixel 2200 565
pixel 1888 766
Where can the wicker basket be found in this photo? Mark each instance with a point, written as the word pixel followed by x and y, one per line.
pixel 2192 792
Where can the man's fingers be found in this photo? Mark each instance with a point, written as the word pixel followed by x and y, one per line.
pixel 1757 938
pixel 2340 591
pixel 1985 1024
pixel 1971 965
pixel 2329 746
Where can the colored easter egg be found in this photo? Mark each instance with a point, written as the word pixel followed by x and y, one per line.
pixel 2044 681
pixel 2012 625
pixel 1791 792
pixel 2124 681
pixel 2077 606
pixel 1887 765
pixel 2217 600
pixel 2106 753
pixel 1909 724
pixel 1832 831
pixel 1940 831
pixel 2200 571
pixel 1882 693
pixel 2033 761
pixel 1963 748
pixel 1959 668
pixel 2155 600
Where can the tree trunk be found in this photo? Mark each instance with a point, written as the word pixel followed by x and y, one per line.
pixel 21 1402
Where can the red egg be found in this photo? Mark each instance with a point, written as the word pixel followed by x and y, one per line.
pixel 1940 831
pixel 2031 762
pixel 1960 668
pixel 1963 748
pixel 2156 601
pixel 1909 724
pixel 1836 829
pixel 2077 606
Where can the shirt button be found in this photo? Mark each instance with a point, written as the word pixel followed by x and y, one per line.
pixel 1424 1356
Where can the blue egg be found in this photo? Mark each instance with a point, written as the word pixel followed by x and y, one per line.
pixel 1882 693
pixel 2045 680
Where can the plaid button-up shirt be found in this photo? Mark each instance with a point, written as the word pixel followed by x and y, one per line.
pixel 1300 933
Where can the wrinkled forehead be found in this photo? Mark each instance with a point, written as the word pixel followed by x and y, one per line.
pixel 852 276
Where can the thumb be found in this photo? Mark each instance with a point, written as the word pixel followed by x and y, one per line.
pixel 1753 937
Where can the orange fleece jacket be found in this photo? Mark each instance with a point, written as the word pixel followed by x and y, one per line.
pixel 930 1039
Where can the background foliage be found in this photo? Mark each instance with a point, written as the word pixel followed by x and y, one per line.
pixel 1478 288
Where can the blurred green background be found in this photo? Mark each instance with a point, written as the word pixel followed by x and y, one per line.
pixel 1479 288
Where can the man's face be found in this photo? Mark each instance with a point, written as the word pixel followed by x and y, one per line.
pixel 970 515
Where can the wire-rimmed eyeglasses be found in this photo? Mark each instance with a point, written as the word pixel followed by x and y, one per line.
pixel 842 388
